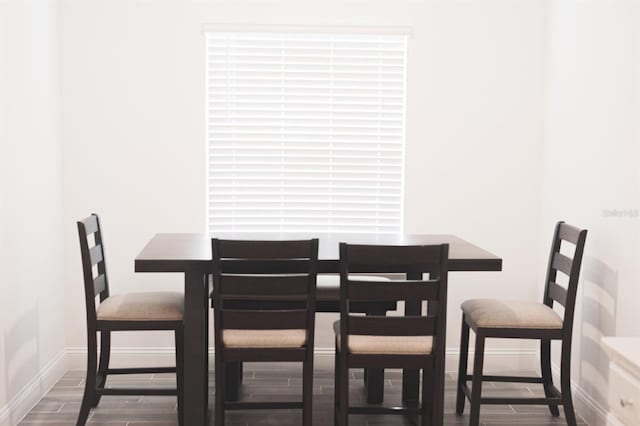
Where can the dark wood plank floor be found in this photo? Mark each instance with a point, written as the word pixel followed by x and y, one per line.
pixel 268 382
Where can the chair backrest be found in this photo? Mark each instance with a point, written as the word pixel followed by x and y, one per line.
pixel 94 268
pixel 567 265
pixel 411 260
pixel 260 285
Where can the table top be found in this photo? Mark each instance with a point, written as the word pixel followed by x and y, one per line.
pixel 192 252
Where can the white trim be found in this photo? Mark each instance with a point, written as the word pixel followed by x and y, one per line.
pixel 125 357
pixel 585 406
pixel 313 29
pixel 27 398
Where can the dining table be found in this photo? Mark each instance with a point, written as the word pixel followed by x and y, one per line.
pixel 190 254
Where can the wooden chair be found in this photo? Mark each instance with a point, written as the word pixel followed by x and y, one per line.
pixel 327 300
pixel 408 342
pixel 126 312
pixel 264 309
pixel 491 318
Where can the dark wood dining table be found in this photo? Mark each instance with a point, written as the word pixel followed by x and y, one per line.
pixel 190 254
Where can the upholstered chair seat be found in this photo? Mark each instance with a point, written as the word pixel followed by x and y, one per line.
pixel 293 338
pixel 495 313
pixel 153 306
pixel 386 345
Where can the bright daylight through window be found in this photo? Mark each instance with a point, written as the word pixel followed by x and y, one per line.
pixel 305 132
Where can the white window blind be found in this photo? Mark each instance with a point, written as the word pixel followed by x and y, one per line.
pixel 305 132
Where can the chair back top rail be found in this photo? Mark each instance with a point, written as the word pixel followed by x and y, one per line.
pixel 261 249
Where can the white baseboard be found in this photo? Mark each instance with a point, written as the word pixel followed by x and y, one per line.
pixel 497 360
pixel 585 406
pixel 125 357
pixel 20 405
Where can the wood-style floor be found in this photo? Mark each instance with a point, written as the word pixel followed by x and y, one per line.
pixel 268 382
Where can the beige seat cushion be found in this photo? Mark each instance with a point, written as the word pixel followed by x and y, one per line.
pixel 288 338
pixel 155 306
pixel 328 286
pixel 495 313
pixel 386 345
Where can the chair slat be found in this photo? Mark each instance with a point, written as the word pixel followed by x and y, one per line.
pixel 371 291
pixel 95 254
pixel 558 293
pixel 264 320
pixel 392 258
pixel 264 266
pixel 562 263
pixel 264 285
pixel 391 326
pixel 99 284
pixel 569 233
pixel 90 224
pixel 241 249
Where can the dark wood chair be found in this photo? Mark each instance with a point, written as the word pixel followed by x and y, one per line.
pixel 327 300
pixel 264 309
pixel 491 318
pixel 377 341
pixel 125 312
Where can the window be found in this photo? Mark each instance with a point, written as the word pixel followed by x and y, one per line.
pixel 305 132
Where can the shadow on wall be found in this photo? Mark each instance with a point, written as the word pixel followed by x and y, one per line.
pixel 22 353
pixel 599 304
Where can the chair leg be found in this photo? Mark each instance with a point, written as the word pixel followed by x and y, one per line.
pixel 180 374
pixel 90 384
pixel 545 369
pixel 103 365
pixel 476 386
pixel 232 380
pixel 462 366
pixel 428 389
pixel 220 391
pixel 307 391
pixel 437 412
pixel 336 385
pixel 343 397
pixel 565 383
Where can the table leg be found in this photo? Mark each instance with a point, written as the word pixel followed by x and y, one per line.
pixel 195 350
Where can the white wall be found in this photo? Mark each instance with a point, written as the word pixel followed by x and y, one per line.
pixel 31 238
pixel 133 150
pixel 592 173
pixel 502 162
pixel 133 128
